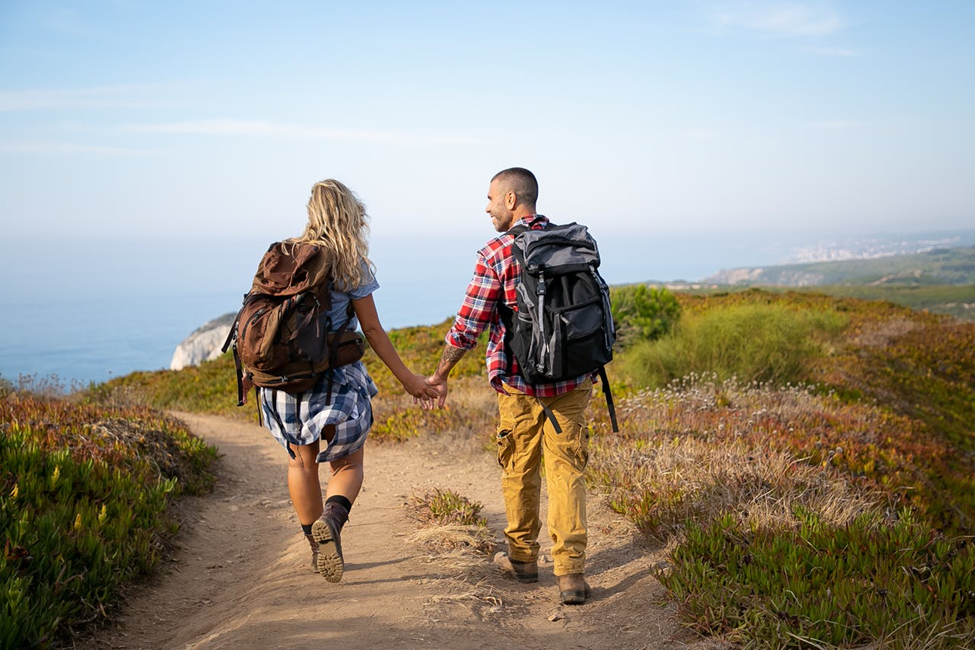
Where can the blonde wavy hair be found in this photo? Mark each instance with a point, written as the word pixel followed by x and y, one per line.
pixel 337 221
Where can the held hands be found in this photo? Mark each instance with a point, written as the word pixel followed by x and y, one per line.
pixel 440 385
pixel 424 393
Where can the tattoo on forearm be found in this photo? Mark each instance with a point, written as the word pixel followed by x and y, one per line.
pixel 449 359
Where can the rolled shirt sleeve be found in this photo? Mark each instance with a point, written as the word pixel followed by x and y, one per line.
pixel 479 306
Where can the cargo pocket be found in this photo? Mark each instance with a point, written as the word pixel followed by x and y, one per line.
pixel 579 449
pixel 506 448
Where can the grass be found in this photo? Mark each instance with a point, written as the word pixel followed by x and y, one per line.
pixel 758 341
pixel 698 448
pixel 210 387
pixel 957 300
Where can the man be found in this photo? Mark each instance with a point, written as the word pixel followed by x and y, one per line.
pixel 524 429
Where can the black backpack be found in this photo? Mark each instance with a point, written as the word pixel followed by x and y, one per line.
pixel 564 325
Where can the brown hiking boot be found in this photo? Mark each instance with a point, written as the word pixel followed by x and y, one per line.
pixel 573 588
pixel 326 532
pixel 520 571
pixel 314 552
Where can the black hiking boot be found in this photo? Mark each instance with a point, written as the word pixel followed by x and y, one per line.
pixel 326 531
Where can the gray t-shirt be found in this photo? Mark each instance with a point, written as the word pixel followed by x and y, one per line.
pixel 341 299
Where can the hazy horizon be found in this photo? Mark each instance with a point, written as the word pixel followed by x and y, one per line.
pixel 94 310
pixel 106 266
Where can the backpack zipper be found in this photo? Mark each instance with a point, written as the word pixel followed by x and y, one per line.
pixel 251 320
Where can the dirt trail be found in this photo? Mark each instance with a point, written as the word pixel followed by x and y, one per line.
pixel 240 577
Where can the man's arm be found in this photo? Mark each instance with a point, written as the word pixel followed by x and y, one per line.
pixel 451 355
pixel 448 360
pixel 476 312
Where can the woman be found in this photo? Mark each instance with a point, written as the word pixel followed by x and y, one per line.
pixel 340 412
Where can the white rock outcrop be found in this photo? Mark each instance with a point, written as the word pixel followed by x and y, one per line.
pixel 203 344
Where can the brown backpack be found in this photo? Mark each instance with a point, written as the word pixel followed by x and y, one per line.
pixel 282 336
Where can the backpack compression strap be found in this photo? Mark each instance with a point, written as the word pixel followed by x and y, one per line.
pixel 609 404
pixel 609 399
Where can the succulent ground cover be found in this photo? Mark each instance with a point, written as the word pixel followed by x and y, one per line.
pixel 84 492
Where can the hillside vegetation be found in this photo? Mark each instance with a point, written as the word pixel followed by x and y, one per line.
pixel 806 461
pixel 940 281
pixel 953 300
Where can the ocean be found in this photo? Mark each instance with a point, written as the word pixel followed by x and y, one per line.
pixel 88 317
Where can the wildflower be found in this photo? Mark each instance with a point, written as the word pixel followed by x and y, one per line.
pixel 77 522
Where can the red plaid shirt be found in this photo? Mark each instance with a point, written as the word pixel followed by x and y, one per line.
pixel 495 278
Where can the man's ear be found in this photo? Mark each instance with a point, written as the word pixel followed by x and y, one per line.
pixel 510 199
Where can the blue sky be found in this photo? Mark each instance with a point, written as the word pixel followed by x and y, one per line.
pixel 209 119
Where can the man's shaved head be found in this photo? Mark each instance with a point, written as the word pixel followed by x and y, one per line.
pixel 520 181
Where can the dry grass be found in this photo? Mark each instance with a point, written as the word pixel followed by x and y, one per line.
pixel 879 334
pixel 702 449
pixel 686 478
pixel 456 546
pixel 451 524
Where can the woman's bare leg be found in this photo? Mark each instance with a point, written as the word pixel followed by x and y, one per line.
pixel 304 484
pixel 346 477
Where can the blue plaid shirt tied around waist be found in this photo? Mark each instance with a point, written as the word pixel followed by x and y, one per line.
pixel 300 419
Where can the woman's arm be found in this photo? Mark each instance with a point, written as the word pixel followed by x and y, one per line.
pixel 415 385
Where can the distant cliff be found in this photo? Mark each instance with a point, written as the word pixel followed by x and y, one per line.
pixel 953 266
pixel 203 344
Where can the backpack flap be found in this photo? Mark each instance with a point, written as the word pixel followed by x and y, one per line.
pixel 557 249
pixel 288 268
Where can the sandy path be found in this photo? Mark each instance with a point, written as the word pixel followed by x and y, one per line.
pixel 240 576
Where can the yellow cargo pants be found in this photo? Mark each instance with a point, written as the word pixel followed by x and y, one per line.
pixel 526 436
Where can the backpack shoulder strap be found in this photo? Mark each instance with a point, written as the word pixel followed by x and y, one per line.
pixel 520 228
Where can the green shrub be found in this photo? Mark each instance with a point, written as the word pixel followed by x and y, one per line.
pixel 754 342
pixel 643 313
